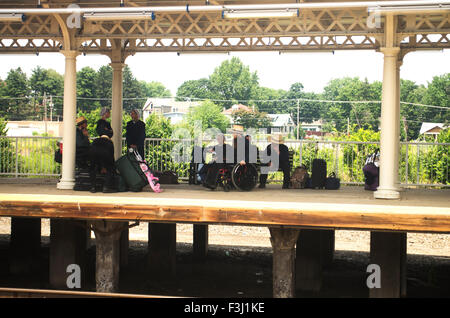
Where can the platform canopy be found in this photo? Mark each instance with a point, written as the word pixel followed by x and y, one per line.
pixel 211 26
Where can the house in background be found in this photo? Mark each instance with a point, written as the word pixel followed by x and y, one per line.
pixel 163 106
pixel 431 129
pixel 282 123
pixel 229 112
pixel 27 128
pixel 175 117
pixel 314 129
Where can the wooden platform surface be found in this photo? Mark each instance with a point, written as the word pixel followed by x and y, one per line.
pixel 419 210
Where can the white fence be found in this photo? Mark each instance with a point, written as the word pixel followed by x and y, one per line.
pixel 420 164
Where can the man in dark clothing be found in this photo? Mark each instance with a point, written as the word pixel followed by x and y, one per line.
pixel 221 149
pixel 102 161
pixel 281 160
pixel 83 143
pixel 135 133
pixel 103 126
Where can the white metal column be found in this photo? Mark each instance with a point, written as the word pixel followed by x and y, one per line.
pixel 117 107
pixel 69 113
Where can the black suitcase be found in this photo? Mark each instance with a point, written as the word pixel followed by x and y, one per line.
pixel 319 173
pixel 83 180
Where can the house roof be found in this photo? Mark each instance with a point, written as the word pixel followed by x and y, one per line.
pixel 280 120
pixel 167 102
pixel 236 107
pixel 429 126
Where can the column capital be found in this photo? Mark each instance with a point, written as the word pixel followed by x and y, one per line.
pixel 117 65
pixel 70 53
pixel 390 51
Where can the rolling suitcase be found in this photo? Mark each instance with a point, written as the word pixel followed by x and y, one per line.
pixel 132 174
pixel 319 173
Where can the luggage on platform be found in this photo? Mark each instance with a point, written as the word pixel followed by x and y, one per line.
pixel 131 172
pixel 318 173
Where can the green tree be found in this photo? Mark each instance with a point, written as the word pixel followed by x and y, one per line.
pixel 154 89
pixel 210 115
pixel 17 89
pixel 103 86
pixel 196 89
pixel 308 110
pixel 232 81
pixel 86 79
pixel 133 94
pixel 365 115
pixel 251 119
pixel 157 126
pixel 49 82
pixel 438 94
pixel 268 100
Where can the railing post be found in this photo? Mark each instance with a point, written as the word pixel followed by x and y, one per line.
pixel 17 158
pixel 406 163
pixel 418 164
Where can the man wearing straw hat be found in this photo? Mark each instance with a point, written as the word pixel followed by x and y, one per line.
pixel 82 143
pixel 281 161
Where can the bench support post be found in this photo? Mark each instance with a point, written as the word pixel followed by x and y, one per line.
pixel 283 244
pixel 388 251
pixel 162 241
pixel 107 240
pixel 200 245
pixel 68 242
pixel 25 244
pixel 315 249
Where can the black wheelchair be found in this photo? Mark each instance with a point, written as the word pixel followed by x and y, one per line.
pixel 232 176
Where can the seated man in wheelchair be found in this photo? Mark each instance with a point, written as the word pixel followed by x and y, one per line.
pixel 237 170
pixel 209 172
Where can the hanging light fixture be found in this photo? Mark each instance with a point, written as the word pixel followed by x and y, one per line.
pixel 242 14
pixel 103 16
pixel 12 17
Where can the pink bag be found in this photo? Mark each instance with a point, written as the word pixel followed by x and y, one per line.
pixel 152 180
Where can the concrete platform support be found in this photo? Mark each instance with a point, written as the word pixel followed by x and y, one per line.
pixel 388 251
pixel 107 267
pixel 25 245
pixel 314 252
pixel 68 242
pixel 200 245
pixel 162 241
pixel 283 243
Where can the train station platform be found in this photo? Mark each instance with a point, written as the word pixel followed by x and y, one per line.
pixel 301 224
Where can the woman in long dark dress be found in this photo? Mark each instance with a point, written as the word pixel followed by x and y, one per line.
pixel 135 133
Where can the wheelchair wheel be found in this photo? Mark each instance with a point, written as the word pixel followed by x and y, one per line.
pixel 244 177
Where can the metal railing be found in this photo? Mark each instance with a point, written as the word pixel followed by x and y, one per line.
pixel 420 164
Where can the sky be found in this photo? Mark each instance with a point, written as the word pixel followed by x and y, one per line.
pixel 279 71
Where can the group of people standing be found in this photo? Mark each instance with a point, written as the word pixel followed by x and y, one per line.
pixel 98 156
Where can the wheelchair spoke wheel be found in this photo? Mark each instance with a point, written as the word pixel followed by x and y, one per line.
pixel 244 177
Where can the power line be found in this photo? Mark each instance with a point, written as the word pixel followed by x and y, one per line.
pixel 233 100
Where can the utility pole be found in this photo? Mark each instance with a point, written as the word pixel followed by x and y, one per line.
pixel 348 126
pixel 51 108
pixel 44 101
pixel 298 114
